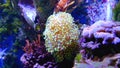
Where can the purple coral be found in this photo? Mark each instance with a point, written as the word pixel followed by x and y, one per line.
pixel 99 10
pixel 101 38
pixel 36 56
pixel 96 14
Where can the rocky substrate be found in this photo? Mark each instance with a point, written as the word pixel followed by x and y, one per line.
pixel 107 62
pixel 36 56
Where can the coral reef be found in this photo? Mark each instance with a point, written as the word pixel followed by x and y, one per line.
pixel 100 39
pixel 61 36
pixel 60 32
pixel 36 56
pixel 22 20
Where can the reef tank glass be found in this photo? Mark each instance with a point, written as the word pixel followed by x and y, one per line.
pixel 59 33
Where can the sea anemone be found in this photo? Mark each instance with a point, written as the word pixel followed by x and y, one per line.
pixel 60 32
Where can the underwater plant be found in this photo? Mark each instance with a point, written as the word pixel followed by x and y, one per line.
pixel 9 20
pixel 116 11
pixel 10 24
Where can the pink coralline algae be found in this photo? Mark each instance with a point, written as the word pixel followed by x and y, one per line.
pixel 101 37
pixel 36 56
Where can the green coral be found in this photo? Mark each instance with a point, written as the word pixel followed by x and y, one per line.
pixel 116 11
pixel 67 54
pixel 78 57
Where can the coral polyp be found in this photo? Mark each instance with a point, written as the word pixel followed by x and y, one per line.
pixel 60 31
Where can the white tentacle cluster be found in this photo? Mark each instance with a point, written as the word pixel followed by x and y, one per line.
pixel 60 31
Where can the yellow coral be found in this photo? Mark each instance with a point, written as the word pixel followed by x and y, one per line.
pixel 60 31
